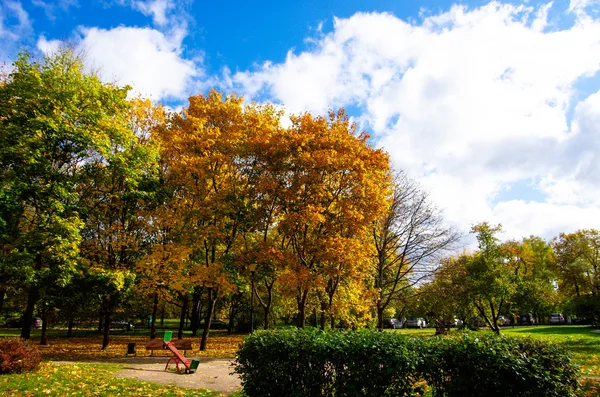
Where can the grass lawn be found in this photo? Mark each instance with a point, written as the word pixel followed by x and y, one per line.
pixel 578 339
pixel 85 380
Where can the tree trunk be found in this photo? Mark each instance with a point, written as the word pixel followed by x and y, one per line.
pixel 232 314
pixel 2 297
pixel 323 311
pixel 154 310
pixel 70 327
pixel 195 320
pixel 234 309
pixel 44 338
pixel 301 300
pixel 162 315
pixel 266 310
pixel 106 333
pixel 380 316
pixel 32 298
pixel 269 301
pixel 212 298
pixel 184 308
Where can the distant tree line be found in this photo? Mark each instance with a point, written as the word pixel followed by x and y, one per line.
pixel 507 279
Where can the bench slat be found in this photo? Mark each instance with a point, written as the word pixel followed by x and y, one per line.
pixel 157 344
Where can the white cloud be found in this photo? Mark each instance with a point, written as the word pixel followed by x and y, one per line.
pixel 158 9
pixel 14 20
pixel 578 6
pixel 52 7
pixel 48 46
pixel 469 100
pixel 145 58
pixel 522 219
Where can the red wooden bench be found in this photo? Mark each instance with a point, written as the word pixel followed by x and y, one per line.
pixel 158 344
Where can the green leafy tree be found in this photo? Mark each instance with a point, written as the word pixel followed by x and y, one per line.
pixel 116 232
pixel 532 261
pixel 578 270
pixel 55 119
pixel 489 279
pixel 447 297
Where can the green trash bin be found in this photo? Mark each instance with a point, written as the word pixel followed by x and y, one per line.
pixel 167 336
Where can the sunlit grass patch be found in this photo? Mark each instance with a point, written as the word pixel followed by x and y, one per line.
pixel 85 380
pixel 579 340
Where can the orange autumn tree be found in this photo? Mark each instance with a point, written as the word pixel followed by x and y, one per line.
pixel 264 255
pixel 343 292
pixel 210 165
pixel 163 271
pixel 336 185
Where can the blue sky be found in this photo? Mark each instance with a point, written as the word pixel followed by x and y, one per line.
pixel 493 107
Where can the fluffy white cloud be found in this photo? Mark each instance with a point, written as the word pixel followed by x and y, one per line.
pixel 14 21
pixel 48 46
pixel 147 59
pixel 158 9
pixel 470 101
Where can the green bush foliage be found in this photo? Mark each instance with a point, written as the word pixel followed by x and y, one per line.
pixel 17 356
pixel 371 363
pixel 314 363
pixel 472 364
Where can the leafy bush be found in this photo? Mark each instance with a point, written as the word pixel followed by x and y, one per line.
pixel 371 363
pixel 489 365
pixel 338 363
pixel 16 356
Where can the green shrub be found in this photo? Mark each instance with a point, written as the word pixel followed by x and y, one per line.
pixel 16 356
pixel 338 363
pixel 280 363
pixel 371 363
pixel 489 365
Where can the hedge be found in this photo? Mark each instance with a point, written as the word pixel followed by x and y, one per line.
pixel 371 363
pixel 473 365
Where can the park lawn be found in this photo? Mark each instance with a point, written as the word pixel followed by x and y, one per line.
pixel 578 339
pixel 85 380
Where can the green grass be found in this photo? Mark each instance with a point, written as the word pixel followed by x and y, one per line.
pixel 578 339
pixel 86 380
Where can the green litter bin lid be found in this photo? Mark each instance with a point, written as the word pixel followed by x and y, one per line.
pixel 168 335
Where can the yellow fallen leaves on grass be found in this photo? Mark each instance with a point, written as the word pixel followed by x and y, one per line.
pixel 88 348
pixel 60 380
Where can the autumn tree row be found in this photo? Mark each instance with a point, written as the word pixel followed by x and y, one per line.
pixel 106 200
